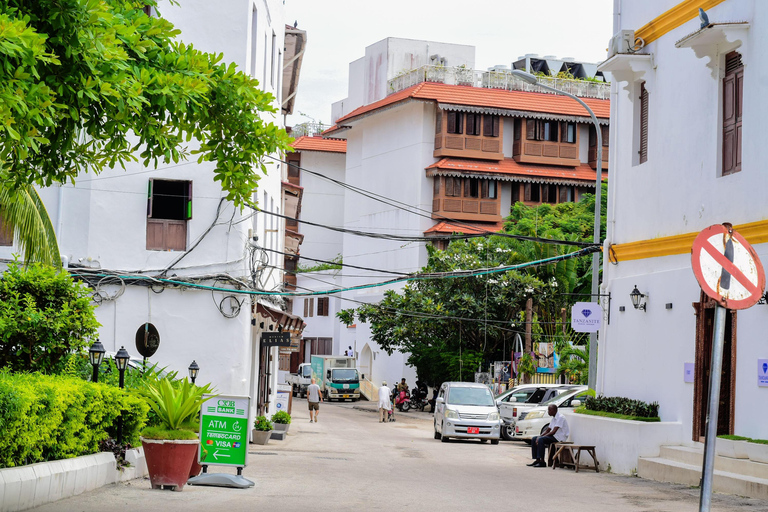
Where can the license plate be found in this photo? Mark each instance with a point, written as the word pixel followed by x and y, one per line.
pixel 473 430
pixel 346 396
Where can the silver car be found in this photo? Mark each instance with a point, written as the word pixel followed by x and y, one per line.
pixel 466 410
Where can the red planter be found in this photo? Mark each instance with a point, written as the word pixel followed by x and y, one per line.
pixel 196 468
pixel 169 462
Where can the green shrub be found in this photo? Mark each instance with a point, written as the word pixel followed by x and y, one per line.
pixel 281 417
pixel 584 410
pixel 621 405
pixel 57 417
pixel 44 316
pixel 263 424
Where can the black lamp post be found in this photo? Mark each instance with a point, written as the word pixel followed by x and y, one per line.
pixel 121 360
pixel 96 356
pixel 193 371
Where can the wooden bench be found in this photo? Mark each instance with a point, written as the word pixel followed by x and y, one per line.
pixel 570 451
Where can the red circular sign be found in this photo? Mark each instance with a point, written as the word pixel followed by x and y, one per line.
pixel 727 267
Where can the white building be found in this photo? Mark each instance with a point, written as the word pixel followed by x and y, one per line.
pixel 682 164
pixel 174 222
pixel 447 149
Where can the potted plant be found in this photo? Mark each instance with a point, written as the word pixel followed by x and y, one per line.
pixel 282 421
pixel 262 430
pixel 169 447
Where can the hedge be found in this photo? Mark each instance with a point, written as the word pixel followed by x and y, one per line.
pixel 56 417
pixel 621 405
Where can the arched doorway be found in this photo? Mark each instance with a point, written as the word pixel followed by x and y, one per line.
pixel 366 363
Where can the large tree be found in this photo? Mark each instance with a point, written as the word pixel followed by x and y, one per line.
pixel 451 326
pixel 87 85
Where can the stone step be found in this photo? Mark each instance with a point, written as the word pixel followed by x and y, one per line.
pixel 695 456
pixel 666 470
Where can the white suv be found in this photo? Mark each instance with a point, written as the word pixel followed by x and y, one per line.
pixel 466 410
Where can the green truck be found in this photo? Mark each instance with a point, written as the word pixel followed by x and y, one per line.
pixel 337 377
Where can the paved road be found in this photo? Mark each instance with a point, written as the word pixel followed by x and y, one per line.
pixel 349 461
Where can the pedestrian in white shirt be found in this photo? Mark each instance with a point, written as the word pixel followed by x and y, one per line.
pixel 385 405
pixel 313 400
pixel 557 432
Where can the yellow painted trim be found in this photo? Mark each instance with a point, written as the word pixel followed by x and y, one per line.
pixel 673 18
pixel 754 233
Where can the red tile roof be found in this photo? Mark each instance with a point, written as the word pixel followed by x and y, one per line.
pixel 305 143
pixel 489 98
pixel 467 228
pixel 509 167
pixel 333 130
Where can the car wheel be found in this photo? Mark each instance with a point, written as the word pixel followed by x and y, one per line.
pixel 507 432
pixel 494 441
pixel 443 437
pixel 437 435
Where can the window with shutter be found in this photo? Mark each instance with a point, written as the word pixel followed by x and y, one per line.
pixel 311 307
pixel 527 192
pixel 530 129
pixel 471 187
pixel 568 132
pixel 436 186
pixel 323 306
pixel 306 307
pixel 455 122
pixel 169 207
pixel 473 124
pixel 732 107
pixel 643 151
pixel 439 122
pixel 604 130
pixel 448 186
pixel 490 126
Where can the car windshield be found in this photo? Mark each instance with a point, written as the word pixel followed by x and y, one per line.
pixel 558 398
pixel 345 375
pixel 307 371
pixel 470 396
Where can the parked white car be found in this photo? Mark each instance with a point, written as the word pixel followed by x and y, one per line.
pixel 511 409
pixel 534 421
pixel 466 410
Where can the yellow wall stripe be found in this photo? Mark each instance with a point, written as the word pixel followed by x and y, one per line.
pixel 673 18
pixel 754 233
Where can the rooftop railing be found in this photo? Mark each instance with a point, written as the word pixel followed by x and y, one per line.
pixel 501 79
pixel 308 129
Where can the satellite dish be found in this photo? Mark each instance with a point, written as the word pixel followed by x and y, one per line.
pixel 147 340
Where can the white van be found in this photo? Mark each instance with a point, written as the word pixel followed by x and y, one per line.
pixel 466 410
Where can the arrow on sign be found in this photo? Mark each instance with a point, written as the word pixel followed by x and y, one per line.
pixel 216 455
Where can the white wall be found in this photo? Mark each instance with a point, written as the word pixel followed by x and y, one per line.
pixel 679 190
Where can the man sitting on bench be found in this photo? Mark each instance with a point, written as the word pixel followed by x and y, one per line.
pixel 557 432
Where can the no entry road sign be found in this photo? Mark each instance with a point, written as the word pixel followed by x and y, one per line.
pixel 727 267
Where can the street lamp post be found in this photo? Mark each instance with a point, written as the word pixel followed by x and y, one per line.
pixel 193 371
pixel 96 356
pixel 531 79
pixel 121 360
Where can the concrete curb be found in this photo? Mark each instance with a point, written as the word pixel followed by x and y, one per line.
pixel 45 482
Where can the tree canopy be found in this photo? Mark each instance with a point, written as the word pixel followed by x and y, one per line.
pixel 87 85
pixel 451 326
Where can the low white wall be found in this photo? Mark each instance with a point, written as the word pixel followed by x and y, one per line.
pixel 620 442
pixel 30 486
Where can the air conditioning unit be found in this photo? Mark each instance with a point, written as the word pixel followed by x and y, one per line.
pixel 621 42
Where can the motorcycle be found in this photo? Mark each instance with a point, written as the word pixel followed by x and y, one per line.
pixel 418 400
pixel 403 401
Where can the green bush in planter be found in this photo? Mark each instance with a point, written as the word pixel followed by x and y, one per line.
pixel 263 424
pixel 281 417
pixel 175 404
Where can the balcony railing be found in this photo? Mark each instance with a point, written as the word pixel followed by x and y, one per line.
pixel 496 80
pixel 308 129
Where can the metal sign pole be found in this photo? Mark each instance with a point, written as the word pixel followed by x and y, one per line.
pixel 708 468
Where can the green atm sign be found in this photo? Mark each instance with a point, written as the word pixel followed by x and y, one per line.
pixel 224 431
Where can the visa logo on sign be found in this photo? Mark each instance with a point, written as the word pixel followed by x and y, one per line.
pixel 586 317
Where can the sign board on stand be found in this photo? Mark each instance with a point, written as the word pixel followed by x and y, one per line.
pixel 762 372
pixel 223 440
pixel 728 270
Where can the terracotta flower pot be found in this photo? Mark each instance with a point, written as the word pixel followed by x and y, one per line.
pixel 169 463
pixel 261 436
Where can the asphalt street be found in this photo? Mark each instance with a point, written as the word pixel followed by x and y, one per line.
pixel 350 461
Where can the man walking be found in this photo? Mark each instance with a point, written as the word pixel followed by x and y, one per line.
pixel 385 405
pixel 313 400
pixel 556 432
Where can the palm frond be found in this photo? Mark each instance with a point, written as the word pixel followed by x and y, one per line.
pixel 23 209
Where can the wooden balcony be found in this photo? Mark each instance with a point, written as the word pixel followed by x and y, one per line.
pixel 466 199
pixel 593 158
pixel 468 135
pixel 545 152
